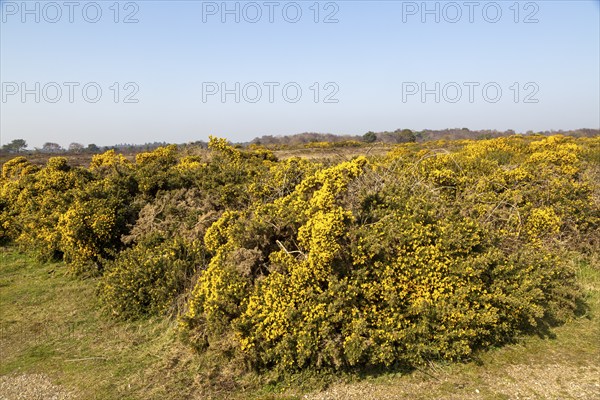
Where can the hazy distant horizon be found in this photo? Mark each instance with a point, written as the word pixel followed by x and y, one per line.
pixel 65 146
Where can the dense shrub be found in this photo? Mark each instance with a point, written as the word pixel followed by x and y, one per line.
pixel 14 174
pixel 433 251
pixel 193 194
pixel 38 200
pixel 99 215
pixel 146 280
pixel 401 276
pixel 154 170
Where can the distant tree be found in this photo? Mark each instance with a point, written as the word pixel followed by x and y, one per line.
pixel 15 146
pixel 92 148
pixel 76 147
pixel 369 137
pixel 19 144
pixel 405 136
pixel 51 147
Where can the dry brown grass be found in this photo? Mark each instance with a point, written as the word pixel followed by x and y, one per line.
pixel 336 153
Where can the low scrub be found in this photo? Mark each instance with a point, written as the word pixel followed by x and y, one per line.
pixel 432 252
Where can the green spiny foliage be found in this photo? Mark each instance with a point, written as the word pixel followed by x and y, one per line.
pixel 431 252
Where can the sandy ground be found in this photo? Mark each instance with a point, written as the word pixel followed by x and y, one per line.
pixel 31 387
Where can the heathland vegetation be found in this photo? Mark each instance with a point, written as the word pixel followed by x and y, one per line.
pixel 434 251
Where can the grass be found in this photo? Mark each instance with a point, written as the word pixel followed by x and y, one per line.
pixel 51 323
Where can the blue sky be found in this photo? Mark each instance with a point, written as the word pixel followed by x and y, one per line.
pixel 483 65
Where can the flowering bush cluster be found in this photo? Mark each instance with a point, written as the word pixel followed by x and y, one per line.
pixel 431 252
pixel 147 280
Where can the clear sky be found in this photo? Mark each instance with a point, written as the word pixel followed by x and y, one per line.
pixel 178 71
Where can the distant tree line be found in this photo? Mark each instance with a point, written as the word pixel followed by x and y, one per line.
pixel 20 146
pixel 301 139
pixel 405 136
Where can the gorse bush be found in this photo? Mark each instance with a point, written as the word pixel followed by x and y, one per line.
pixel 38 200
pixel 146 280
pixel 14 175
pixel 367 275
pixel 434 251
